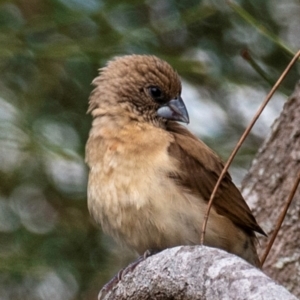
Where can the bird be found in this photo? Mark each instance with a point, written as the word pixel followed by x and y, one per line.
pixel 150 178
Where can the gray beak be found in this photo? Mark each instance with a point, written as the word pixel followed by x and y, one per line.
pixel 174 110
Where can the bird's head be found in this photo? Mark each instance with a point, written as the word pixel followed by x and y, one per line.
pixel 140 87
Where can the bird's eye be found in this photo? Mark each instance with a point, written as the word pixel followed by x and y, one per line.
pixel 155 93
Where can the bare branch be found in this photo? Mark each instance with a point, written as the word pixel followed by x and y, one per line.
pixel 266 188
pixel 197 272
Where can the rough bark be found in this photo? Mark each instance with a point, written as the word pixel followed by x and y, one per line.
pixel 266 188
pixel 206 273
pixel 197 273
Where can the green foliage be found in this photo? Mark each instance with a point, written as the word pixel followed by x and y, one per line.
pixel 50 51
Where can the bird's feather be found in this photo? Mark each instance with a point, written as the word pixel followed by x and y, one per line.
pixel 200 169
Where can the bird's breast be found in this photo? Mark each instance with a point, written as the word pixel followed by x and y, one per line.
pixel 133 197
pixel 129 187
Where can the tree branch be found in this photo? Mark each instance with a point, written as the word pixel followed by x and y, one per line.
pixel 197 272
pixel 266 188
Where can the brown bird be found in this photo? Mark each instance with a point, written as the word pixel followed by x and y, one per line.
pixel 150 178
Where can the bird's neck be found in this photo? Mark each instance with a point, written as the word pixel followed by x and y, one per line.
pixel 113 121
pixel 108 125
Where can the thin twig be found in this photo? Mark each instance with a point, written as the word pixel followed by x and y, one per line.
pixel 259 26
pixel 246 55
pixel 280 220
pixel 240 142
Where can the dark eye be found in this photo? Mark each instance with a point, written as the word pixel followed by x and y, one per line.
pixel 155 93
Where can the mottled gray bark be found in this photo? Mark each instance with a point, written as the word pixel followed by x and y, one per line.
pixel 197 272
pixel 266 188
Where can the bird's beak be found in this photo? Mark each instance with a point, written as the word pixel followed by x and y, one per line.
pixel 174 110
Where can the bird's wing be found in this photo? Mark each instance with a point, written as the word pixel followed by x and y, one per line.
pixel 200 168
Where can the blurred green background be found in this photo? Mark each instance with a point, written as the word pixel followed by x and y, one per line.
pixel 228 55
